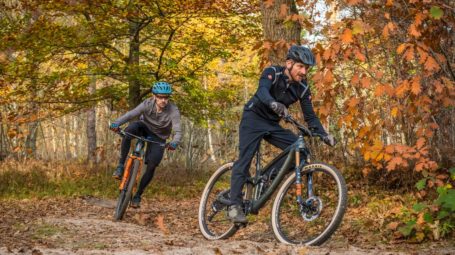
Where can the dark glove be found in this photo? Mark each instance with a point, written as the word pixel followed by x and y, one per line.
pixel 114 127
pixel 329 140
pixel 172 146
pixel 279 109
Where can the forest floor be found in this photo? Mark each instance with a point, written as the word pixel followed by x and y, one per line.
pixel 84 225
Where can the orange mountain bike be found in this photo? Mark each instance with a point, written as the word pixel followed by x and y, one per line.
pixel 131 174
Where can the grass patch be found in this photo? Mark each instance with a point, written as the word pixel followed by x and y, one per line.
pixel 46 230
pixel 38 179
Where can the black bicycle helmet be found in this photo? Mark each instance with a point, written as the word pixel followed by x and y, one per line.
pixel 301 54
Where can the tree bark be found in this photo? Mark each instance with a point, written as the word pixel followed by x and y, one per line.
pixel 91 123
pixel 276 29
pixel 133 66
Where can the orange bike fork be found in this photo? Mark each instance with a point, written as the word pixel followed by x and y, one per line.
pixel 298 184
pixel 128 166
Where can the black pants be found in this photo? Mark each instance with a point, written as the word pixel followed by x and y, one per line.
pixel 153 154
pixel 253 129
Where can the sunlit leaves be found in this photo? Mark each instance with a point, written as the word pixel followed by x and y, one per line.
pixel 347 36
pixel 436 12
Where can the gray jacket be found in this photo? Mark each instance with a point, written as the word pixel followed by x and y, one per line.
pixel 161 124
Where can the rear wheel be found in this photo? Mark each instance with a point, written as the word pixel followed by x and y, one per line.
pixel 126 193
pixel 318 217
pixel 213 221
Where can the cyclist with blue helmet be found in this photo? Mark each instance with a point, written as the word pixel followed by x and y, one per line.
pixel 279 87
pixel 158 118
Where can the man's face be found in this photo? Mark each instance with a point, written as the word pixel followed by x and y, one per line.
pixel 161 100
pixel 298 71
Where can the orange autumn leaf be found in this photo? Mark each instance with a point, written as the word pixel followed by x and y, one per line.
pixel 327 54
pixel 394 162
pixel 365 82
pixel 389 3
pixel 438 87
pixel 379 91
pixel 409 54
pixel 413 31
pixel 402 89
pixel 393 225
pixel 389 149
pixel 423 55
pixel 419 167
pixel 269 3
pixel 353 102
pixel 431 64
pixel 347 36
pixel 283 11
pixel 354 2
pixel 160 224
pixel 359 55
pixel 420 142
pixel 415 88
pixel 328 77
pixel 355 79
pixel 385 32
pixel 391 26
pixel 419 18
pixel 394 112
pixel 267 45
pixel 300 2
pixel 401 48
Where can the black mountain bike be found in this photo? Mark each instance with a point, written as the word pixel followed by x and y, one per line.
pixel 131 174
pixel 309 205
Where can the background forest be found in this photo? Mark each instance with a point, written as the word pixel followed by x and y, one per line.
pixel 383 85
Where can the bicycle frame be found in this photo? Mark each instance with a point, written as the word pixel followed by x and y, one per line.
pixel 293 153
pixel 137 154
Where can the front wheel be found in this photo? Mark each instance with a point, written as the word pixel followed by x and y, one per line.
pixel 314 220
pixel 126 193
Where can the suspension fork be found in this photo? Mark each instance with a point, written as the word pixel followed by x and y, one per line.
pixel 298 176
pixel 136 155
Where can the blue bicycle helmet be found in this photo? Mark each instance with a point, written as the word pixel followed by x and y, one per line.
pixel 162 87
pixel 301 54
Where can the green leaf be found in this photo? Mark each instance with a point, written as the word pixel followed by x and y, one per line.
pixel 452 172
pixel 442 214
pixel 448 200
pixel 418 207
pixel 428 218
pixel 441 190
pixel 436 12
pixel 406 230
pixel 420 185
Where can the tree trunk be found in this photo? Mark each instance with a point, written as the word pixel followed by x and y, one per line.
pixel 30 141
pixel 209 128
pixel 276 29
pixel 133 66
pixel 91 123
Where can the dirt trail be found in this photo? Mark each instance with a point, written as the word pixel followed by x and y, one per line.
pixel 85 226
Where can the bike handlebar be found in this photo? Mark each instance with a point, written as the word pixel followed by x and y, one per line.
pixel 123 133
pixel 305 131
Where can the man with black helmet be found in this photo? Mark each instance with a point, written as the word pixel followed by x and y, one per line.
pixel 279 87
pixel 158 118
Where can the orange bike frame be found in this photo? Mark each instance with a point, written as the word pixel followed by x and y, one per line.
pixel 128 166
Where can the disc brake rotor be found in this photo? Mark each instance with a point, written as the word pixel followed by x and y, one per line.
pixel 311 209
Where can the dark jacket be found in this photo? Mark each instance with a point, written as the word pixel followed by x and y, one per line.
pixel 274 86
